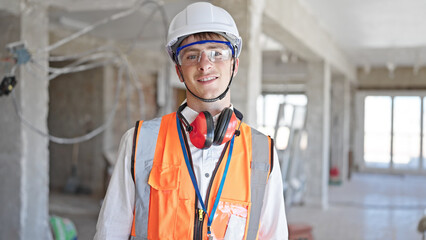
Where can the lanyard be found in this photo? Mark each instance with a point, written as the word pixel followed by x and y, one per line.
pixel 194 181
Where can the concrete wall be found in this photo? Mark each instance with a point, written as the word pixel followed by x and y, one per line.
pixel 10 141
pixel 75 108
pixel 403 78
pixel 83 101
pixel 134 104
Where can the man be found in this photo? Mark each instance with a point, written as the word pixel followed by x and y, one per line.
pixel 199 173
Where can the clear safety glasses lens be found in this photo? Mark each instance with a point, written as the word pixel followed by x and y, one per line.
pixel 216 51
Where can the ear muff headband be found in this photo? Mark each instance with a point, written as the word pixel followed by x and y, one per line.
pixel 182 118
pixel 210 130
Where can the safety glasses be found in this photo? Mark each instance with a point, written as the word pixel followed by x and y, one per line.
pixel 216 51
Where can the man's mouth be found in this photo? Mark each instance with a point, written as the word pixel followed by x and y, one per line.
pixel 207 79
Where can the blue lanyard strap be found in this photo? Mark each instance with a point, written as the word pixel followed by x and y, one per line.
pixel 222 182
pixel 188 165
pixel 194 181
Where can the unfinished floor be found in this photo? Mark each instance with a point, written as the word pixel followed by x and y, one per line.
pixel 369 207
pixel 379 207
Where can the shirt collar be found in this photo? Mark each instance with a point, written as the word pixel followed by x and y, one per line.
pixel 190 114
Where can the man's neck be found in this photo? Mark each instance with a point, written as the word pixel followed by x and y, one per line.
pixel 212 107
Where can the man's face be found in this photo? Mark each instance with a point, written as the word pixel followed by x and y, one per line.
pixel 204 77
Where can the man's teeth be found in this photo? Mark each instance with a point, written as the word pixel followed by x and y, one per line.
pixel 207 79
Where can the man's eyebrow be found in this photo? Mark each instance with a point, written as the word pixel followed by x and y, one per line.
pixel 208 46
pixel 191 48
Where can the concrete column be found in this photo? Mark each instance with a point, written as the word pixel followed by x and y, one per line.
pixel 340 112
pixel 24 191
pixel 10 141
pixel 246 86
pixel 34 103
pixel 318 129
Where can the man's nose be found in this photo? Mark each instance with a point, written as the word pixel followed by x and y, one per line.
pixel 204 62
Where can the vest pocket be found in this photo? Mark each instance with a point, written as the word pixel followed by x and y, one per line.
pixel 230 220
pixel 163 202
pixel 164 177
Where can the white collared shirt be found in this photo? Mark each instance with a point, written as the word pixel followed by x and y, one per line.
pixel 116 215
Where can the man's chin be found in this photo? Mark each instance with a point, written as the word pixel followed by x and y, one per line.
pixel 209 94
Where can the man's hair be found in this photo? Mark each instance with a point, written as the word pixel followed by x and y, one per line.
pixel 205 36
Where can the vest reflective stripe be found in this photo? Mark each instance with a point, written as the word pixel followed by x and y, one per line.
pixel 259 174
pixel 146 134
pixel 151 141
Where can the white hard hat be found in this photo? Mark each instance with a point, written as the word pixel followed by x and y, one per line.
pixel 202 17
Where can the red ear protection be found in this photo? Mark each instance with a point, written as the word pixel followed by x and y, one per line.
pixel 225 128
pixel 202 132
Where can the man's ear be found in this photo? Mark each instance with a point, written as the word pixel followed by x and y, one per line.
pixel 237 62
pixel 178 72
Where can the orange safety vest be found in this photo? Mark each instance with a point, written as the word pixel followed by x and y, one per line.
pixel 166 205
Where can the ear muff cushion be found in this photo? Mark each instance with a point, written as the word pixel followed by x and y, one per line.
pixel 222 125
pixel 202 132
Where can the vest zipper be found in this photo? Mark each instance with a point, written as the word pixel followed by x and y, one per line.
pixel 199 220
pixel 199 213
pixel 198 226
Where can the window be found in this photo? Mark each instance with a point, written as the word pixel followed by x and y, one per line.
pixel 393 132
pixel 377 131
pixel 406 132
pixel 278 114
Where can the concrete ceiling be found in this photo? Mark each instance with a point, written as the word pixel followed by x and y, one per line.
pixel 378 32
pixel 370 33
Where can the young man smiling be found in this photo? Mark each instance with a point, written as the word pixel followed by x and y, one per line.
pixel 201 172
pixel 205 78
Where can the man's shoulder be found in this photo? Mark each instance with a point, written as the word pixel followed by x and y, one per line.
pixel 151 124
pixel 156 119
pixel 253 130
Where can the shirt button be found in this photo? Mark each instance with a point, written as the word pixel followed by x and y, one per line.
pixel 207 175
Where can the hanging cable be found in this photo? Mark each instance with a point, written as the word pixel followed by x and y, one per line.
pixel 85 137
pixel 136 83
pixel 124 66
pixel 114 17
pixel 76 67
pixel 84 61
pixel 145 24
pixel 103 48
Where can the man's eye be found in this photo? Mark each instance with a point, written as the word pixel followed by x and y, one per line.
pixel 217 53
pixel 191 56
